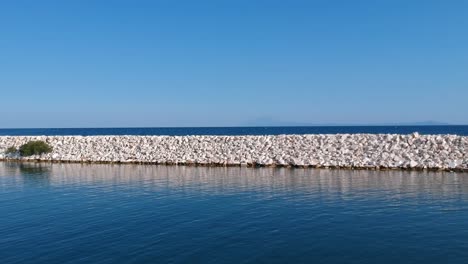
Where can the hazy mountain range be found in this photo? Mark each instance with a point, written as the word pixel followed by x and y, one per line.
pixel 273 122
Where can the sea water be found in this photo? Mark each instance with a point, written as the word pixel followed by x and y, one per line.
pixel 76 213
pixel 230 131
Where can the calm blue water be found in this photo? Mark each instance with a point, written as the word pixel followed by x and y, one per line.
pixel 180 131
pixel 71 213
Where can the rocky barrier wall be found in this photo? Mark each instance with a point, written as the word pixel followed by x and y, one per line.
pixel 363 151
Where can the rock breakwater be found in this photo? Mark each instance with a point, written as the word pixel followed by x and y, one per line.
pixel 363 151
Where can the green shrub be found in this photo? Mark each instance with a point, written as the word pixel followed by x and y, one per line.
pixel 11 150
pixel 34 148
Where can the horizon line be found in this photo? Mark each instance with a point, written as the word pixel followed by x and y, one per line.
pixel 267 126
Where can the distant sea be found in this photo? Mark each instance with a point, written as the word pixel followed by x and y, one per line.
pixel 181 131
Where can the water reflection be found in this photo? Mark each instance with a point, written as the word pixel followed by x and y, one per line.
pixel 235 179
pixel 63 213
pixel 31 173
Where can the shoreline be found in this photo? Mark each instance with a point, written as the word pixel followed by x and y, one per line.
pixel 328 151
pixel 252 166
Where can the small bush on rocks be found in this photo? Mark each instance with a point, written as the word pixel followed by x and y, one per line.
pixel 35 148
pixel 11 150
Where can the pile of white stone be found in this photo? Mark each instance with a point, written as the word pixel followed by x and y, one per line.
pixel 371 151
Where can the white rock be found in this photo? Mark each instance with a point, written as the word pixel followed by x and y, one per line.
pixel 452 164
pixel 361 150
pixel 413 164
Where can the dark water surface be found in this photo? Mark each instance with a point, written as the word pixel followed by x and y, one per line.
pixel 72 213
pixel 181 131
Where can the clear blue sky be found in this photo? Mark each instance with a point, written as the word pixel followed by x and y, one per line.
pixel 227 63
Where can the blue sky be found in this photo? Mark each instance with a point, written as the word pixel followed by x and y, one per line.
pixel 228 63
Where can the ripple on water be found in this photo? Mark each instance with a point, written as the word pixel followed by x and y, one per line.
pixel 73 213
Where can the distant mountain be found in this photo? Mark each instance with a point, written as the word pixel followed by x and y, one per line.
pixel 273 122
pixel 423 123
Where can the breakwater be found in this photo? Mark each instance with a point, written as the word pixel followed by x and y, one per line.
pixel 361 151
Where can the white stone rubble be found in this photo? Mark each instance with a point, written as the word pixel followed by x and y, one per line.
pixel 372 151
